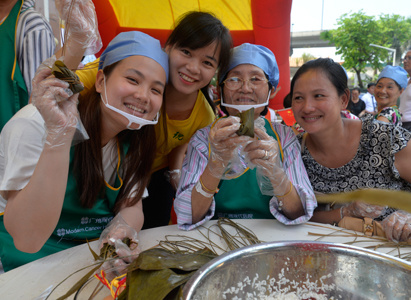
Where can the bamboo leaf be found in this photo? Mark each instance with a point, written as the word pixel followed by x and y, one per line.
pixel 396 199
pixel 154 285
pixel 247 123
pixel 60 71
pixel 80 283
pixel 158 259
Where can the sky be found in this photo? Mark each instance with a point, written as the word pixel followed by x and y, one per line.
pixel 307 15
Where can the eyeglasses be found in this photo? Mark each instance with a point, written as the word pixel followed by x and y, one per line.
pixel 407 57
pixel 234 83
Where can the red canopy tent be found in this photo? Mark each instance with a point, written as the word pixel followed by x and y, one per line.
pixel 263 22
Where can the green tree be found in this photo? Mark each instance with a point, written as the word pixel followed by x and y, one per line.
pixel 307 57
pixel 352 40
pixel 395 33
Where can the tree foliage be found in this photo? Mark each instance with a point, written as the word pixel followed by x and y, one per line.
pixel 357 31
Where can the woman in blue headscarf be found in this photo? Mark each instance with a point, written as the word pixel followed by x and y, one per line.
pixel 390 84
pixel 226 174
pixel 59 196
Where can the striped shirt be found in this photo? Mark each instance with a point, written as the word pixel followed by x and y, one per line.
pixel 34 41
pixel 196 161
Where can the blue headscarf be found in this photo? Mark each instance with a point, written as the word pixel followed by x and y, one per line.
pixel 258 56
pixel 132 43
pixel 396 73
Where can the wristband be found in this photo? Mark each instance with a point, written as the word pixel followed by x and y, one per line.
pixel 199 189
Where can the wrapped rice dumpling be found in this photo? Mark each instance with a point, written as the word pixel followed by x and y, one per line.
pixel 247 122
pixel 60 71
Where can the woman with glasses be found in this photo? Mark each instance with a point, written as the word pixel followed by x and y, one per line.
pixel 260 175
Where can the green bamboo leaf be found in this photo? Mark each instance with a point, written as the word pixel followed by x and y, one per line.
pixel 80 283
pixel 393 198
pixel 247 123
pixel 154 285
pixel 95 255
pixel 158 259
pixel 60 71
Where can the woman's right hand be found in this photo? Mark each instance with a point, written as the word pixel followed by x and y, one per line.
pixel 56 104
pixel 81 24
pixel 223 141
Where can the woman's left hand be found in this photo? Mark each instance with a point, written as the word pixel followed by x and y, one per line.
pixel 264 152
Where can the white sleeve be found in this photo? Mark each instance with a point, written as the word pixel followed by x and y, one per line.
pixel 21 143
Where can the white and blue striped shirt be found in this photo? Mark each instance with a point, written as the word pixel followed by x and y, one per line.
pixel 34 41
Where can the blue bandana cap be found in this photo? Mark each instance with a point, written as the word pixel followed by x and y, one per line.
pixel 131 43
pixel 396 73
pixel 258 56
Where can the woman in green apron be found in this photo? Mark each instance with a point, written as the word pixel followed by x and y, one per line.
pixel 227 174
pixel 59 196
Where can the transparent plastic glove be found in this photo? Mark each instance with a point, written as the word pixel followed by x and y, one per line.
pixel 224 141
pixel 114 234
pixel 360 210
pixel 81 25
pixel 57 105
pixel 173 176
pixel 264 153
pixel 397 226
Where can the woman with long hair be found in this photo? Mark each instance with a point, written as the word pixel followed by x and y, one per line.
pixel 59 195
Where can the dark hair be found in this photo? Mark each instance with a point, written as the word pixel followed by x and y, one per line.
pixel 356 89
pixel 331 69
pixel 287 101
pixel 370 85
pixel 197 30
pixel 88 167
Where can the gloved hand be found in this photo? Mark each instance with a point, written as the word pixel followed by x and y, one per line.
pixel 56 104
pixel 265 154
pixel 173 177
pixel 81 25
pixel 114 234
pixel 224 141
pixel 397 226
pixel 360 210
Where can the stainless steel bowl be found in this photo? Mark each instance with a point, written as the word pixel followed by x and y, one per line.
pixel 301 270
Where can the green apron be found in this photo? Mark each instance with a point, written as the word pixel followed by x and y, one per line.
pixel 12 86
pixel 241 198
pixel 76 225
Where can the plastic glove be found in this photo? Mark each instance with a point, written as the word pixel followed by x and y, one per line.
pixel 265 154
pixel 173 176
pixel 113 235
pixel 224 141
pixel 81 25
pixel 56 104
pixel 397 226
pixel 360 210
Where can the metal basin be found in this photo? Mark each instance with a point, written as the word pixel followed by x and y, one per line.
pixel 301 270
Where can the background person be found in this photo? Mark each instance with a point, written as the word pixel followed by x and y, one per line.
pixel 405 99
pixel 390 84
pixel 356 106
pixel 369 99
pixel 26 40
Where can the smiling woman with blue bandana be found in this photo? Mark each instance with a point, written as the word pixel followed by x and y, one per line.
pixel 229 175
pixel 390 84
pixel 58 195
